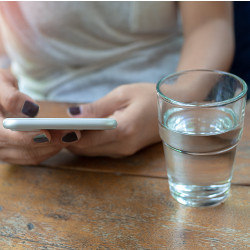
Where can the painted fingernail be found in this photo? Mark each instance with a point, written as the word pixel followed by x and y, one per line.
pixel 75 110
pixel 70 137
pixel 40 138
pixel 30 109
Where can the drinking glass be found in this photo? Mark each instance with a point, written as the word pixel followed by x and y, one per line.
pixel 201 114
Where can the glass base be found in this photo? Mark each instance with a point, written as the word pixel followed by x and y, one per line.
pixel 199 196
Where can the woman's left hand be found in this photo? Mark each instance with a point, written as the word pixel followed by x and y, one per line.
pixel 134 107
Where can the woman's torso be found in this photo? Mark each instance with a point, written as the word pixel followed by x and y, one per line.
pixel 79 51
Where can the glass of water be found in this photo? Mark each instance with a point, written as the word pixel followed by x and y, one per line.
pixel 201 114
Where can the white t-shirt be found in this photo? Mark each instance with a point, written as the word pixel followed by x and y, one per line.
pixel 80 51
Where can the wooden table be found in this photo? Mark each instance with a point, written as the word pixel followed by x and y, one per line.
pixel 101 203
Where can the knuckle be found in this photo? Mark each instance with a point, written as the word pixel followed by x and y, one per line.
pixel 121 92
pixel 89 110
pixel 126 136
pixel 85 142
pixel 31 157
pixel 6 75
pixel 74 150
pixel 11 101
pixel 3 75
pixel 126 132
pixel 3 141
pixel 24 141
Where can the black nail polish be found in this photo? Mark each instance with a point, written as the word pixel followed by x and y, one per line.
pixel 74 110
pixel 70 137
pixel 40 138
pixel 30 109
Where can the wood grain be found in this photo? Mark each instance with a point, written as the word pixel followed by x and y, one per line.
pixel 147 162
pixel 45 208
pixel 73 202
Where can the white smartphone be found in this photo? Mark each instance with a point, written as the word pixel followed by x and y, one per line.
pixel 35 124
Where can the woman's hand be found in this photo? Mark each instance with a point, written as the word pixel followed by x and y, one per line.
pixel 26 147
pixel 134 107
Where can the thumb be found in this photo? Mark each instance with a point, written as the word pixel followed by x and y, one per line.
pixel 103 107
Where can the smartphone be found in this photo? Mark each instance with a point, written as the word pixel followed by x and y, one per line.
pixel 35 124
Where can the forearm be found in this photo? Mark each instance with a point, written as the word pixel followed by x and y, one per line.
pixel 209 47
pixel 208 35
pixel 208 44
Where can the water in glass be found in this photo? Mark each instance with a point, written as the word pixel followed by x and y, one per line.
pixel 199 146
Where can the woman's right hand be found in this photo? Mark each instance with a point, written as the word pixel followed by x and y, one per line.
pixel 26 147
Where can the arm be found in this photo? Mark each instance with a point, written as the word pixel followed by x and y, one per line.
pixel 24 147
pixel 208 35
pixel 208 43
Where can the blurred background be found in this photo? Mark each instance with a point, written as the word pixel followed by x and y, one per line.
pixel 241 63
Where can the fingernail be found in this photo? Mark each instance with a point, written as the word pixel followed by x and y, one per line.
pixel 74 110
pixel 40 138
pixel 70 137
pixel 30 109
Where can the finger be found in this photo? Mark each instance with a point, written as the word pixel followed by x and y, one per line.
pixel 10 138
pixel 5 74
pixel 17 138
pixel 123 141
pixel 114 143
pixel 122 132
pixel 14 102
pixel 29 156
pixel 37 138
pixel 94 138
pixel 65 137
pixel 91 140
pixel 115 100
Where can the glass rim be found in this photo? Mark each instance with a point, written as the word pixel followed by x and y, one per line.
pixel 212 104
